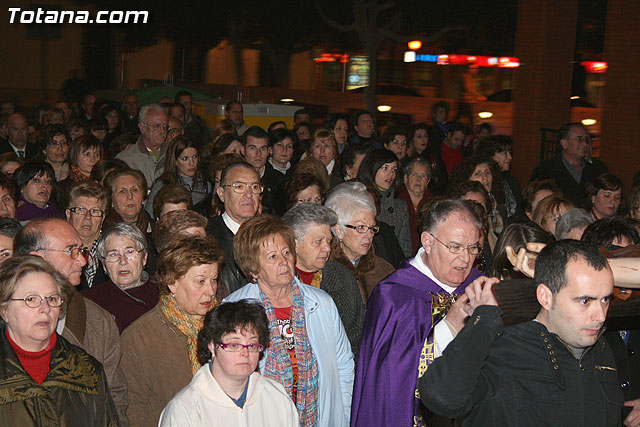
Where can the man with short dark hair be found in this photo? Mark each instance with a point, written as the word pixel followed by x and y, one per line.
pixel 148 153
pixel 411 316
pixel 239 192
pixel 86 324
pixel 234 112
pixel 365 126
pixel 554 370
pixel 194 127
pixel 17 134
pixel 569 169
pixel 301 115
pixel 131 109
pixel 256 152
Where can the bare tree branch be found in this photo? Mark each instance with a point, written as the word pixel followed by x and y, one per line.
pixel 335 24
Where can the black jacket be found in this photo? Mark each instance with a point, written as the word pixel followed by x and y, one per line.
pixel 30 150
pixel 273 197
pixel 231 274
pixel 522 375
pixel 556 170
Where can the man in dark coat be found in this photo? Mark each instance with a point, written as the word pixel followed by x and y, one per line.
pixel 239 191
pixel 569 169
pixel 555 370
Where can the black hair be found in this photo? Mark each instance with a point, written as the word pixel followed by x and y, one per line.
pixel 348 155
pixel 229 317
pixel 301 111
pixel 180 94
pixel 255 132
pixel 457 127
pixel 278 135
pixel 357 115
pixel 333 118
pixel 516 235
pixel 552 262
pixel 274 124
pixel 603 232
pixel 374 161
pixel 30 170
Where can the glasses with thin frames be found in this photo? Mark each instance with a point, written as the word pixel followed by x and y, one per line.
pixel 79 210
pixel 315 200
pixel 35 301
pixel 364 228
pixel 73 253
pixel 241 187
pixel 457 249
pixel 129 253
pixel 234 347
pixel 160 127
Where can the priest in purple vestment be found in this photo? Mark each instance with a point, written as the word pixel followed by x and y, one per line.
pixel 412 315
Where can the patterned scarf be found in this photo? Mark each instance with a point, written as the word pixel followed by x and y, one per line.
pixel 76 176
pixel 186 324
pixel 278 362
pixel 92 263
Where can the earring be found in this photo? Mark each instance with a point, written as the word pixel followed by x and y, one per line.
pixel 173 295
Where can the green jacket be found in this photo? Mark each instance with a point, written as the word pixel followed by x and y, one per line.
pixel 74 393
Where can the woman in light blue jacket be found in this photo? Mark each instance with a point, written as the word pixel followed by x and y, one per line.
pixel 309 353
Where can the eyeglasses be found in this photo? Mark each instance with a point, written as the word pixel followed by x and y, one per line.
pixel 581 139
pixel 241 187
pixel 234 347
pixel 58 145
pixel 160 127
pixel 35 301
pixel 130 254
pixel 79 210
pixel 457 249
pixel 316 200
pixel 73 253
pixel 364 228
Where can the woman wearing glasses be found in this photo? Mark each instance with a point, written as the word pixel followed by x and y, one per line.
pixel 227 388
pixel 85 212
pixel 56 150
pixel 44 379
pixel 304 188
pixel 159 350
pixel 309 352
pixel 354 234
pixel 311 224
pixel 129 293
pixel 181 166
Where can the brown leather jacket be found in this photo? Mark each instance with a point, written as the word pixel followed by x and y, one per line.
pixel 74 393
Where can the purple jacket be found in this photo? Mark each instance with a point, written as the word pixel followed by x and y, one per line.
pixel 397 322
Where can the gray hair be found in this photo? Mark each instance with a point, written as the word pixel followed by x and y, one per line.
pixel 142 117
pixel 417 161
pixel 573 218
pixel 347 200
pixel 122 229
pixel 302 216
pixel 442 210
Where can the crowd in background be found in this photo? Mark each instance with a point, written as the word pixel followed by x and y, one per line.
pixel 161 233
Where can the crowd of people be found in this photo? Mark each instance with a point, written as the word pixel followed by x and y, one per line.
pixel 159 271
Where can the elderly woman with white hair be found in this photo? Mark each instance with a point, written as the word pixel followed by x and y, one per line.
pixel 130 292
pixel 311 226
pixel 354 231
